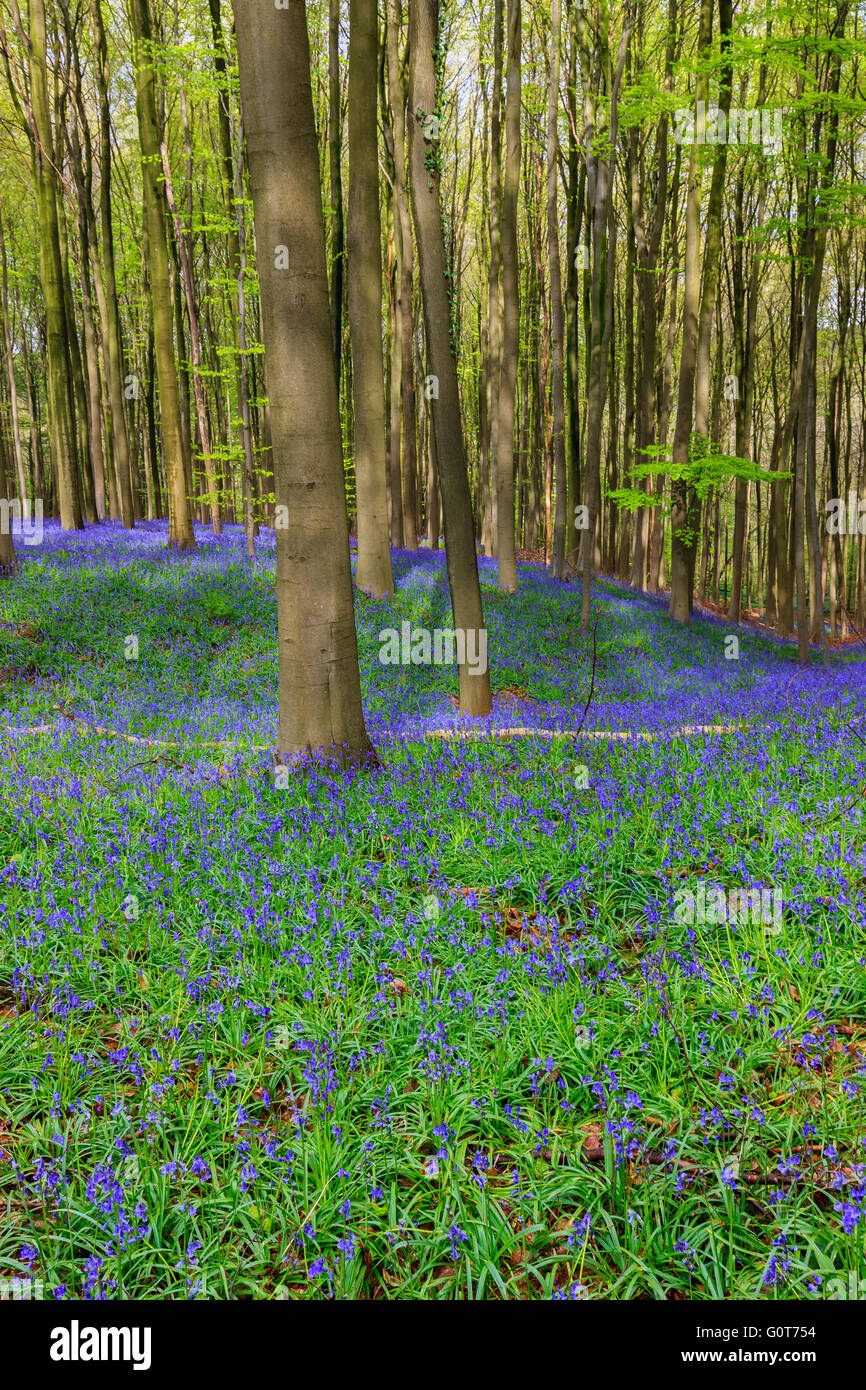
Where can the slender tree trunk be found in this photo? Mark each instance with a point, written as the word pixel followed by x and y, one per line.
pixel 629 427
pixel 393 385
pixel 745 328
pixel 251 525
pixel 494 274
pixel 78 402
pixel 60 422
pixel 574 222
pixel 698 314
pixel 8 558
pixel 186 275
pixel 405 275
pixel 510 348
pixel 556 309
pixel 446 420
pixel 365 304
pixel 180 523
pixel 231 149
pixel 10 374
pixel 600 172
pixel 105 282
pixel 336 184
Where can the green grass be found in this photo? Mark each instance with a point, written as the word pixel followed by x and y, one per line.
pixel 180 937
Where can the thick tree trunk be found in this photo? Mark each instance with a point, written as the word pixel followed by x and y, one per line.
pixel 320 689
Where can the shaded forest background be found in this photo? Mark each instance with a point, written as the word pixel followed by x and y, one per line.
pixel 658 331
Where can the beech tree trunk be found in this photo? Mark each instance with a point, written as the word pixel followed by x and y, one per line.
pixel 698 312
pixel 105 282
pixel 445 417
pixel 336 184
pixel 404 277
pixel 61 425
pixel 180 521
pixel 373 573
pixel 510 346
pixel 556 309
pixel 320 686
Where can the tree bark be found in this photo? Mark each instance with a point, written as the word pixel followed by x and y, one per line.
pixel 320 688
pixel 336 184
pixel 557 327
pixel 60 422
pixel 698 312
pixel 373 573
pixel 180 521
pixel 404 277
pixel 105 281
pixel 186 275
pixel 10 374
pixel 510 347
pixel 445 411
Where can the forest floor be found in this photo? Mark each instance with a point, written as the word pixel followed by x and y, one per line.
pixel 444 1029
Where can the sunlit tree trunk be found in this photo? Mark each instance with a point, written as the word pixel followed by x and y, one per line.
pixel 60 422
pixel 320 689
pixel 745 317
pixel 180 523
pixel 336 183
pixel 373 573
pixel 404 274
pixel 595 59
pixel 556 309
pixel 424 102
pixel 105 283
pixel 698 312
pixel 494 274
pixel 186 275
pixel 10 374
pixel 510 346
pixel 231 149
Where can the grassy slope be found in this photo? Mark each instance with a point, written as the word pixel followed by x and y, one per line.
pixel 433 1032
